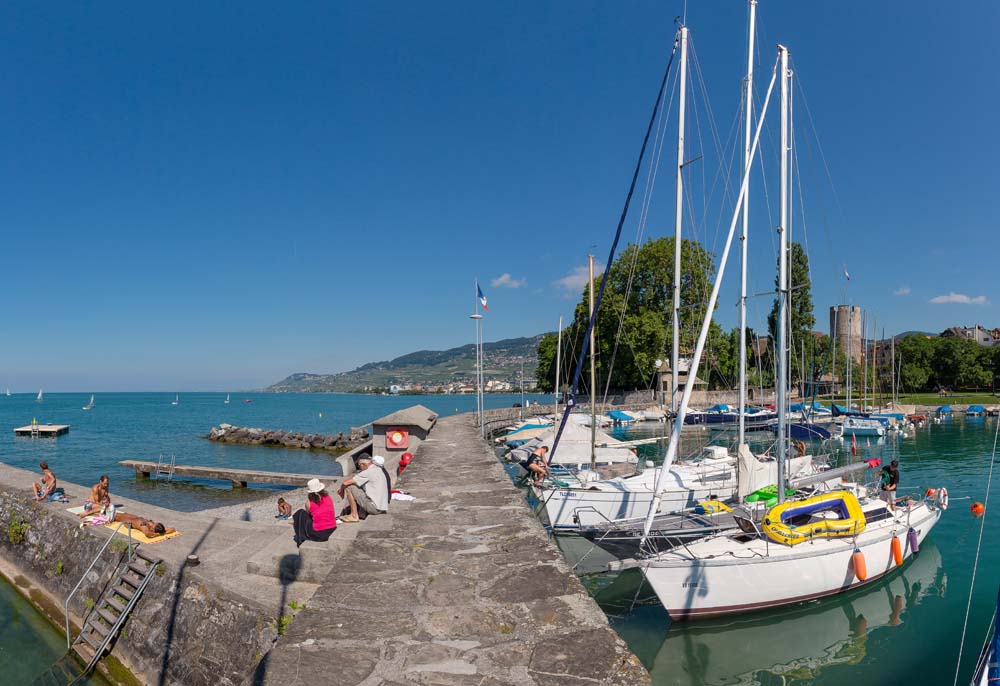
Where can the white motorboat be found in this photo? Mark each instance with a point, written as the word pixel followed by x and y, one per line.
pixel 861 426
pixel 574 451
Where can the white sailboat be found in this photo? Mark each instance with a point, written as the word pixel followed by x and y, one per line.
pixel 176 400
pixel 8 393
pixel 848 532
pixel 39 399
pixel 226 401
pixel 90 405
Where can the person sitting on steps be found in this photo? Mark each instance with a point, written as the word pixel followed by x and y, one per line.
pixel 320 521
pixel 365 491
pixel 47 486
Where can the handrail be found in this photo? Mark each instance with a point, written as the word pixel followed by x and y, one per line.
pixel 112 632
pixel 69 643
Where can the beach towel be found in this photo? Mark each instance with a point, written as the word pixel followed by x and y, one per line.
pixel 141 537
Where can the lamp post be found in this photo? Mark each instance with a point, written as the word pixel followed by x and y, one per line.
pixel 479 367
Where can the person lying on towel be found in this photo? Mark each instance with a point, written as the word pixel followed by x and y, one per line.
pixel 147 526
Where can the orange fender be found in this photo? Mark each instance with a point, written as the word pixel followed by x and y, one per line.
pixel 897 551
pixel 860 567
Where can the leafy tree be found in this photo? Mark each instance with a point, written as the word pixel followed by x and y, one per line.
pixel 546 372
pixel 916 354
pixel 634 324
pixel 800 312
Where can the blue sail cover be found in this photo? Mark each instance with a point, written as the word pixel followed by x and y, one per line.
pixel 975 409
pixel 719 408
pixel 619 416
pixel 944 409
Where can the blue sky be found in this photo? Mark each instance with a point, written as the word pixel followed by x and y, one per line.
pixel 211 196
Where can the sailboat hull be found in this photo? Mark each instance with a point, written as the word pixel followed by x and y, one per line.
pixel 716 577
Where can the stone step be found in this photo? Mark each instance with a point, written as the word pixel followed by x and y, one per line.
pixel 311 563
pixel 124 591
pixel 93 639
pixel 118 605
pixel 109 617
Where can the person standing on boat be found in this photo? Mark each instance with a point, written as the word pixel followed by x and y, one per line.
pixel 890 481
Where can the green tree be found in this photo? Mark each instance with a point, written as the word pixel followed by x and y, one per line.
pixel 546 372
pixel 800 312
pixel 916 359
pixel 634 323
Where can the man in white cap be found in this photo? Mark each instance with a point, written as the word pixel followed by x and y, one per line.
pixel 365 490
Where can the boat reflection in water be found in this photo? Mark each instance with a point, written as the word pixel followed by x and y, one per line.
pixel 794 644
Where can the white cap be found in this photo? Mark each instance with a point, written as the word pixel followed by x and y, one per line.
pixel 379 460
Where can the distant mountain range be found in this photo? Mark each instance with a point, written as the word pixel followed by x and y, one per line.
pixel 426 369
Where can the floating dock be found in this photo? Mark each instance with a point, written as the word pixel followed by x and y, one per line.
pixel 239 477
pixel 42 430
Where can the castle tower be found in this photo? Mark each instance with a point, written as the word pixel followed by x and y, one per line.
pixel 845 324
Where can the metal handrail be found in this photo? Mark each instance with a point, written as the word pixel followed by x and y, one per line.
pixel 113 631
pixel 76 588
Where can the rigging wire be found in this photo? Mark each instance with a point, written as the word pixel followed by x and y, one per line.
pixel 571 403
pixel 979 546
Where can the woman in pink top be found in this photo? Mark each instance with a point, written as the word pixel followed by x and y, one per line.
pixel 320 521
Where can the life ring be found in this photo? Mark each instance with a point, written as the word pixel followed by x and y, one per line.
pixel 942 498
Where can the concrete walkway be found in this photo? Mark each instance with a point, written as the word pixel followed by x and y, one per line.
pixel 461 587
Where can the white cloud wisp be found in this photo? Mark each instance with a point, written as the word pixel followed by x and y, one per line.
pixel 505 280
pixel 959 298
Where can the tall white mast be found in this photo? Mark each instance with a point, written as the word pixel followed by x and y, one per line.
pixel 593 373
pixel 558 359
pixel 850 353
pixel 782 374
pixel 748 122
pixel 675 433
pixel 678 219
pixel 893 369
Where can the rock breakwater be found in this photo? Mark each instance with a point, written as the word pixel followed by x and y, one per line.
pixel 338 443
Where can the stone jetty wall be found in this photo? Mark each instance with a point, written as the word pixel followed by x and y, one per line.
pixel 215 638
pixel 341 442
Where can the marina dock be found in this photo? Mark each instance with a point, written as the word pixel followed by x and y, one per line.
pixel 239 477
pixel 42 430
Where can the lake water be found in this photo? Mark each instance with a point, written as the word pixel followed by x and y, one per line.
pixel 29 644
pixel 902 629
pixel 142 426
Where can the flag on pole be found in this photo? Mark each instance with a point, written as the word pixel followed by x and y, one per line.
pixel 482 298
pixel 846 274
pixel 854 444
pixel 868 443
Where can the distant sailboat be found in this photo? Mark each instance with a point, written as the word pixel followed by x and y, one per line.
pixel 177 399
pixel 8 392
pixel 90 405
pixel 227 399
pixel 39 398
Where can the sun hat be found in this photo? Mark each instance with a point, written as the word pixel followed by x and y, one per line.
pixel 315 485
pixel 379 460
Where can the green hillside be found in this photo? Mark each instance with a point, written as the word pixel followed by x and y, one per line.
pixel 427 369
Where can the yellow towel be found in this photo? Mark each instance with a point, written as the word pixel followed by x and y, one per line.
pixel 141 537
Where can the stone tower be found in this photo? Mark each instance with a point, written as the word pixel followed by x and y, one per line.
pixel 845 325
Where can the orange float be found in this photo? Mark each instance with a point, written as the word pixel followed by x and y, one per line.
pixel 977 510
pixel 860 567
pixel 897 551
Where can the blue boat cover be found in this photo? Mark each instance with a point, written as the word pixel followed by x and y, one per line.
pixel 719 408
pixel 620 416
pixel 975 409
pixel 944 409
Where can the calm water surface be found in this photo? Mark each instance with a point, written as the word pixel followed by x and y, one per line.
pixel 29 644
pixel 142 426
pixel 900 630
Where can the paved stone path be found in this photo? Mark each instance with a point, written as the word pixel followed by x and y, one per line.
pixel 461 587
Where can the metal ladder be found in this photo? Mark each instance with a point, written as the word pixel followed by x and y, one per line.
pixel 164 468
pixel 105 619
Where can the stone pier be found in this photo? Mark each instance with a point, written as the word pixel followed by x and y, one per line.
pixel 460 587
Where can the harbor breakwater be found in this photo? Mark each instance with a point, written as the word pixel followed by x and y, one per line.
pixel 339 443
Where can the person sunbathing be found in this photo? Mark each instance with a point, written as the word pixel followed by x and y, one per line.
pixel 47 486
pixel 147 526
pixel 99 498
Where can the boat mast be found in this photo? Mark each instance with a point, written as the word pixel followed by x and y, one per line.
pixel 558 358
pixel 593 374
pixel 675 432
pixel 748 122
pixel 850 352
pixel 893 373
pixel 864 361
pixel 782 374
pixel 678 218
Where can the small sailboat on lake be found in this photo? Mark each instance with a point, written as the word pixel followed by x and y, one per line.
pixel 176 400
pixel 90 405
pixel 39 399
pixel 226 401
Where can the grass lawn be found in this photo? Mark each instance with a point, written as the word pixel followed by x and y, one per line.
pixel 958 398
